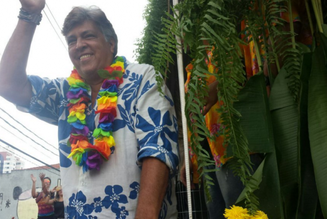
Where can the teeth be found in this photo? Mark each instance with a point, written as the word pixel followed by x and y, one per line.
pixel 84 56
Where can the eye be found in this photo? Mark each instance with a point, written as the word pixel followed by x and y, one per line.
pixel 90 36
pixel 71 42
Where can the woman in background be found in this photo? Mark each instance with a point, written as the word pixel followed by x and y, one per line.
pixel 58 203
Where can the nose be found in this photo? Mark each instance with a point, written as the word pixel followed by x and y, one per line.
pixel 80 44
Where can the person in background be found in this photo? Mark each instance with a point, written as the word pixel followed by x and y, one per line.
pixel 58 203
pixel 226 186
pixel 45 210
pixel 117 134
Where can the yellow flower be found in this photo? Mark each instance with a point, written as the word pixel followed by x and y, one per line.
pixel 236 212
pixel 76 154
pixel 106 102
pixel 72 81
pixel 260 215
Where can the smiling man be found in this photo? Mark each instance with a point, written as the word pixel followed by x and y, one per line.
pixel 117 135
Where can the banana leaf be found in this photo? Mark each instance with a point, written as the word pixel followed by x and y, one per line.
pixel 257 126
pixel 270 193
pixel 252 104
pixel 317 118
pixel 308 195
pixel 285 128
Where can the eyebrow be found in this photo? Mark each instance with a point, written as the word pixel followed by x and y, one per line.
pixel 82 34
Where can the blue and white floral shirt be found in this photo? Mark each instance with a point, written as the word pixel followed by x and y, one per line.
pixel 145 126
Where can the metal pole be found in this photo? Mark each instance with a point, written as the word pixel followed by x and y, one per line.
pixel 184 121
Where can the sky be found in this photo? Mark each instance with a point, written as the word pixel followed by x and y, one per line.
pixel 49 58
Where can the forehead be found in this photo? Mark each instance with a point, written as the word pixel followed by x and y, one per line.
pixel 84 27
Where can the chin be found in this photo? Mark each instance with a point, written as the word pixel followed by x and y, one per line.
pixel 86 71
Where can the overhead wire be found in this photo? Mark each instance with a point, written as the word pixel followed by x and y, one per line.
pixel 6 143
pixel 28 129
pixel 30 161
pixel 27 136
pixel 53 17
pixel 53 27
pixel 23 140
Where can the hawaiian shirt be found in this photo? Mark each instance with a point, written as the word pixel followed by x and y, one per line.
pixel 213 123
pixel 145 126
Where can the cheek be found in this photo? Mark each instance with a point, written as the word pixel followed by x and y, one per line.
pixel 71 55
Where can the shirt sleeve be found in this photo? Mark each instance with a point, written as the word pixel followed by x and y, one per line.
pixel 156 124
pixel 45 99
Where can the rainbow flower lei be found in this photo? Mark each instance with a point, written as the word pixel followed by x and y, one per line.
pixel 82 151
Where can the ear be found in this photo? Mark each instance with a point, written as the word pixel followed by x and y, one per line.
pixel 112 45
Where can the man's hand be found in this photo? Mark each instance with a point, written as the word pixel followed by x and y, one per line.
pixel 33 6
pixel 33 178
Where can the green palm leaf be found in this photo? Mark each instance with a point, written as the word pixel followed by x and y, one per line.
pixel 285 129
pixel 253 106
pixel 308 195
pixel 317 110
pixel 256 123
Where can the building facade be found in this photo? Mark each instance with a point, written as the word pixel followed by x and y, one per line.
pixel 9 162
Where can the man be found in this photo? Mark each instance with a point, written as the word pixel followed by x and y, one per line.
pixel 45 210
pixel 117 134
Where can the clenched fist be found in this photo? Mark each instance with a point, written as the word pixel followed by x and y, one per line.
pixel 33 6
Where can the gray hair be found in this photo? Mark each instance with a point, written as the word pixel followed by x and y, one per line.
pixel 78 15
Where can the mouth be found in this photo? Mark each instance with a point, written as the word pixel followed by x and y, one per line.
pixel 85 56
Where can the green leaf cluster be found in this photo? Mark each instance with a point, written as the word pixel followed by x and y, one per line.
pixel 289 126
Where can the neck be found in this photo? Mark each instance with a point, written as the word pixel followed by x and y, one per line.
pixel 94 82
pixel 94 91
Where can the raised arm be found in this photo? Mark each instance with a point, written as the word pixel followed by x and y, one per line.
pixel 34 193
pixel 44 188
pixel 14 59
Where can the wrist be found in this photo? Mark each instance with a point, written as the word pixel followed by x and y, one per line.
pixel 30 17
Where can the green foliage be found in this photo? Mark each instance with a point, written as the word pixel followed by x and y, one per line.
pixel 317 115
pixel 285 129
pixel 213 25
pixel 154 11
pixel 164 44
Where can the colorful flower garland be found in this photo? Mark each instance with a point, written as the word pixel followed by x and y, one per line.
pixel 82 151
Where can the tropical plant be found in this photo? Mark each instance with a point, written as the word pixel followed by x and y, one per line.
pixel 286 120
